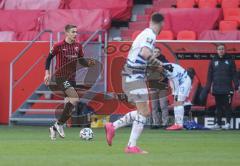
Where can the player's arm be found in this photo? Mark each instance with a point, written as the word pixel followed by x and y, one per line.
pixel 146 53
pixel 47 66
pixel 83 61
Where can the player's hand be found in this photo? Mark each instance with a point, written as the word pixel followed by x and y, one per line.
pixel 91 62
pixel 46 79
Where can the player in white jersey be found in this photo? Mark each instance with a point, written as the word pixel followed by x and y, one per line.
pixel 180 83
pixel 135 86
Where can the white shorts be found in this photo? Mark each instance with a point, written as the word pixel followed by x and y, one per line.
pixel 136 90
pixel 181 92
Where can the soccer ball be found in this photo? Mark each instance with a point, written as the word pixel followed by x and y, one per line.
pixel 86 134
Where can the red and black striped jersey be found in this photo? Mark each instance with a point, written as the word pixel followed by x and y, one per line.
pixel 67 56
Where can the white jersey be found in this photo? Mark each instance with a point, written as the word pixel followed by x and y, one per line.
pixel 174 72
pixel 146 38
pixel 180 82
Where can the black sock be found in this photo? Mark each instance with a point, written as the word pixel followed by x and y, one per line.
pixel 66 114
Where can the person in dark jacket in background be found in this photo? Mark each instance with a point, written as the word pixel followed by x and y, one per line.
pixel 221 74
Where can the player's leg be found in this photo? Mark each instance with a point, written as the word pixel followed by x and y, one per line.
pixel 183 92
pixel 136 92
pixel 144 111
pixel 219 111
pixel 227 111
pixel 125 120
pixel 73 99
pixel 52 133
pixel 164 107
pixel 155 116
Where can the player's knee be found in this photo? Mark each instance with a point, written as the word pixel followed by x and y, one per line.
pixel 74 101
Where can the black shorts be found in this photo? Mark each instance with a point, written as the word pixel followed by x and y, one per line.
pixel 64 84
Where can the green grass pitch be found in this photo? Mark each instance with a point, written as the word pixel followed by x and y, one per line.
pixel 31 146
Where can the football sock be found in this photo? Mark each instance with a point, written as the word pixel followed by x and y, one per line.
pixel 66 114
pixel 179 114
pixel 137 128
pixel 125 120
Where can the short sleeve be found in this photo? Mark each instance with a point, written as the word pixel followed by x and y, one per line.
pixel 54 50
pixel 148 40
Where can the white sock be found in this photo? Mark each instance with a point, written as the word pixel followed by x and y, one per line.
pixel 137 128
pixel 179 114
pixel 125 120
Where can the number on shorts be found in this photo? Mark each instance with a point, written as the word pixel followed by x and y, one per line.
pixel 66 84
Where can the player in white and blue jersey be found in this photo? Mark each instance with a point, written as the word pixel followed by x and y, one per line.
pixel 180 83
pixel 134 84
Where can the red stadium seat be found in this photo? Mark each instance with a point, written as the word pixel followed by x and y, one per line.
pixel 185 3
pixel 119 9
pixel 228 26
pixel 187 35
pixel 165 35
pixel 207 3
pixel 6 36
pixel 20 20
pixel 32 4
pixel 135 34
pixel 30 35
pixel 232 14
pixel 230 3
pixel 96 19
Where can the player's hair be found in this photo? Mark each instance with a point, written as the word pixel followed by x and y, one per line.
pixel 69 26
pixel 157 18
pixel 220 44
pixel 158 48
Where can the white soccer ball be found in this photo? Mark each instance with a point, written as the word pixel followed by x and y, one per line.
pixel 86 134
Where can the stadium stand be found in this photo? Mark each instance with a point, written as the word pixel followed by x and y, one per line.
pixel 135 34
pixel 7 36
pixel 138 25
pixel 228 26
pixel 96 19
pixel 119 9
pixel 12 20
pixel 218 35
pixel 185 3
pixel 186 35
pixel 33 4
pixel 176 19
pixel 30 35
pixel 232 14
pixel 229 3
pixel 207 3
pixel 165 35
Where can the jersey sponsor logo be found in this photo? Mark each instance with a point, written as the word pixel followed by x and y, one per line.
pixel 150 41
pixel 76 49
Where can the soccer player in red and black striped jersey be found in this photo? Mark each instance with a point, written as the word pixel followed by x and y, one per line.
pixel 68 53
